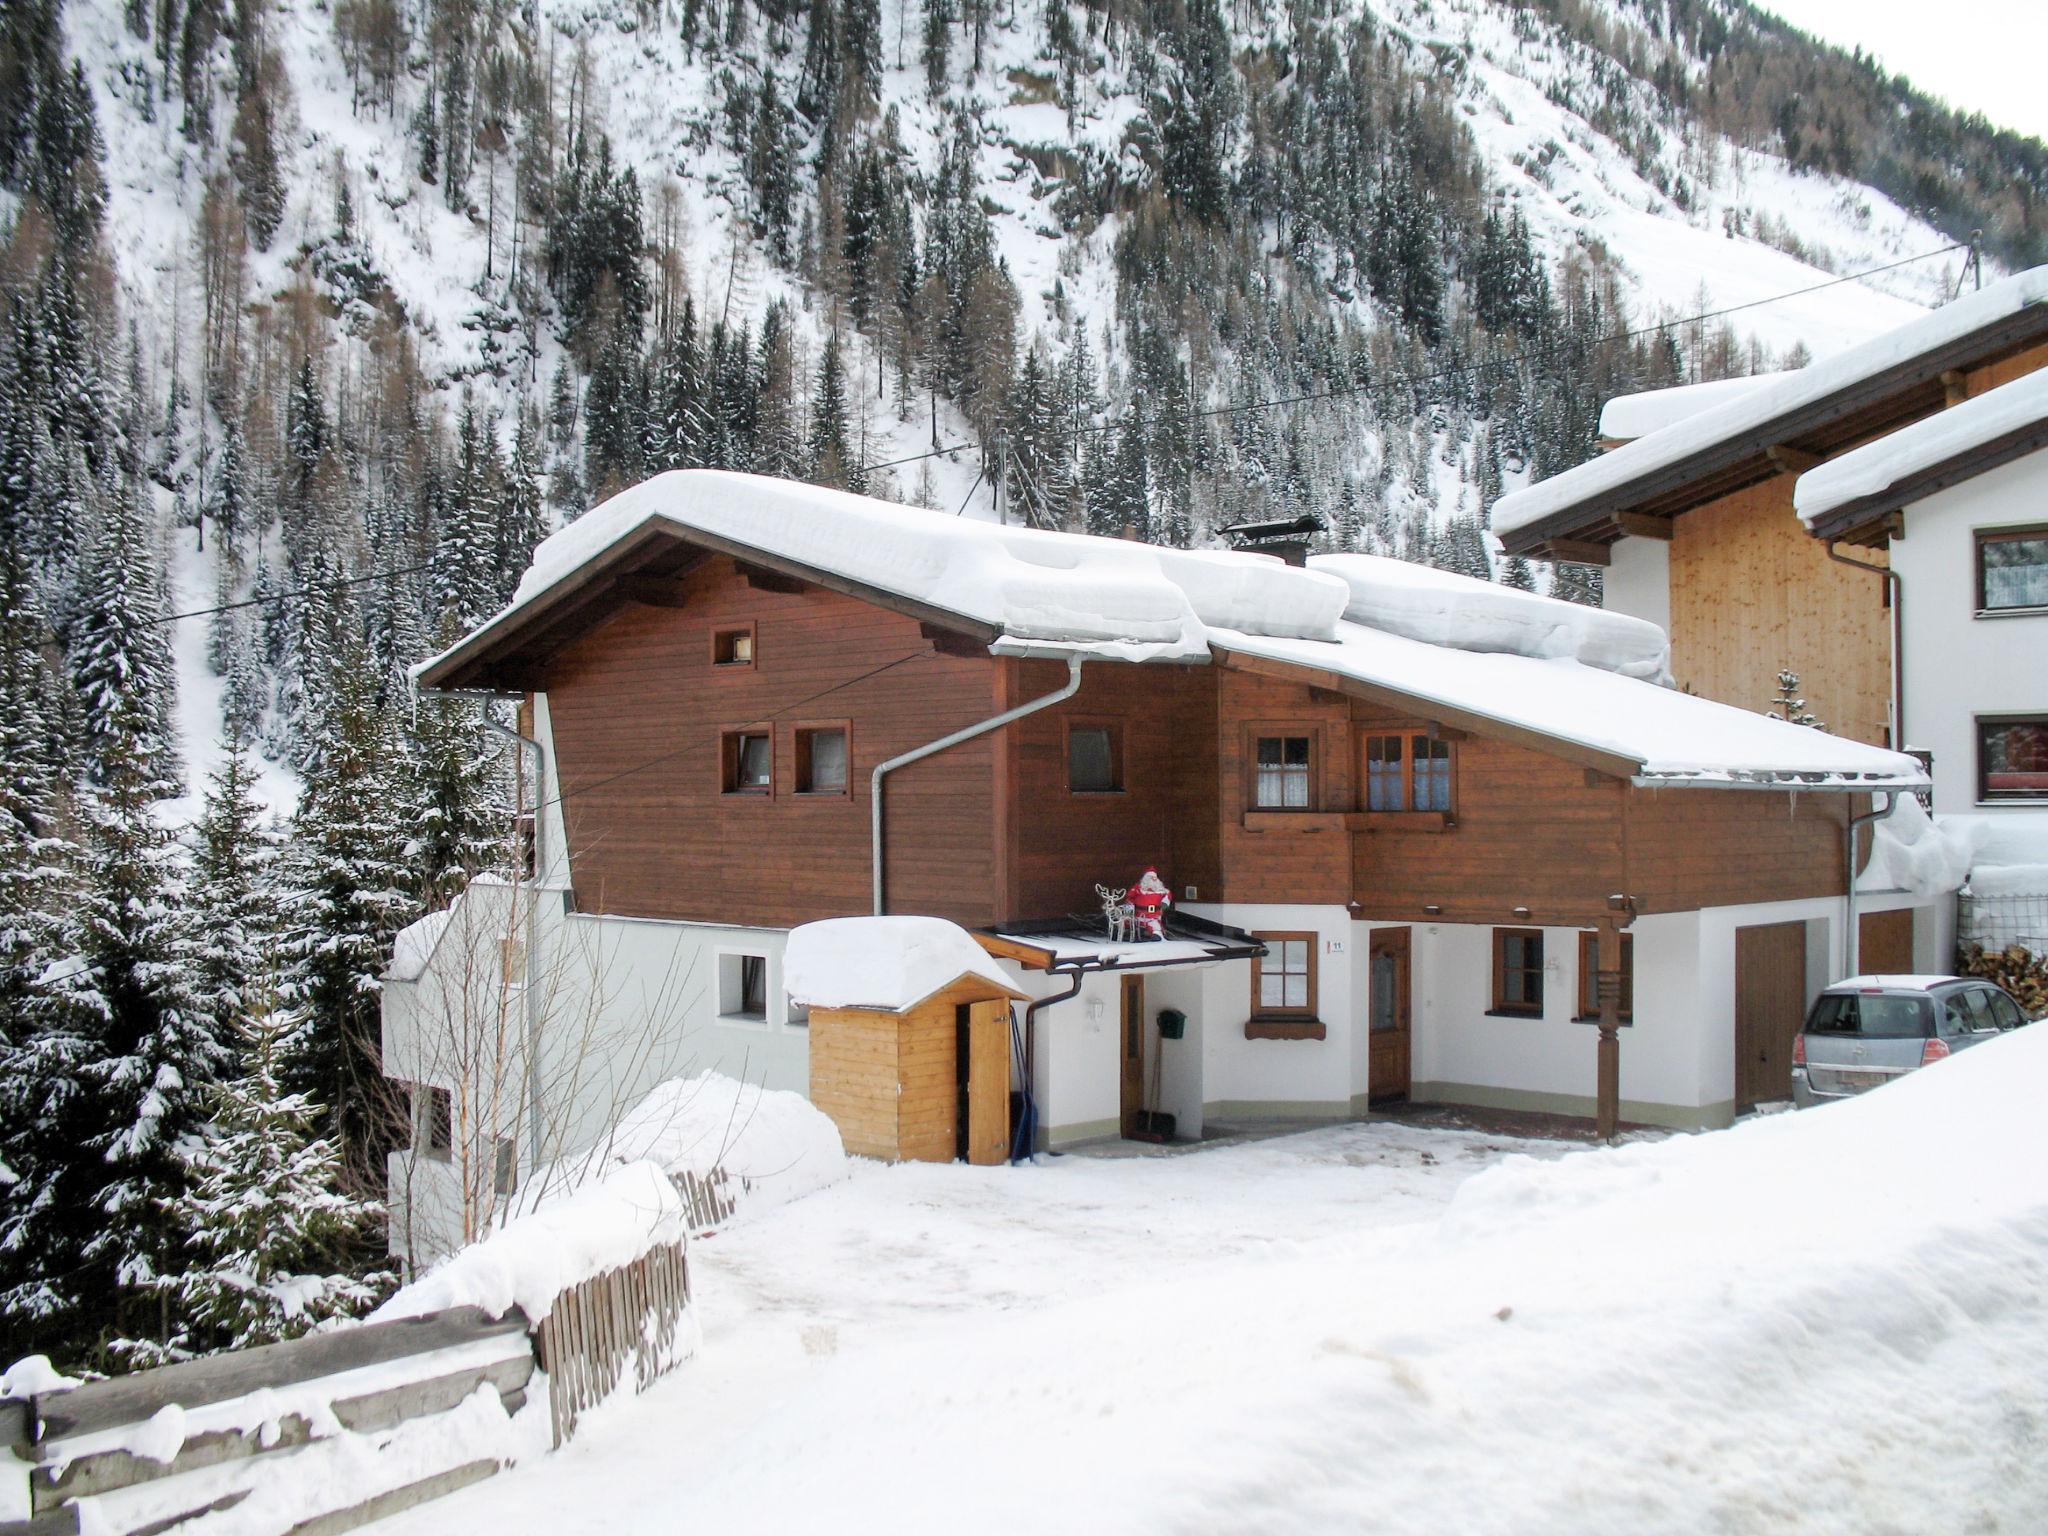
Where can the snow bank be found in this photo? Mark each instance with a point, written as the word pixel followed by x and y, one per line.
pixel 1444 608
pixel 1910 851
pixel 888 963
pixel 1675 737
pixel 32 1374
pixel 1750 410
pixel 775 1146
pixel 1652 410
pixel 533 1258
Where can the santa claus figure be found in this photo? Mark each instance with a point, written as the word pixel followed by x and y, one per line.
pixel 1148 900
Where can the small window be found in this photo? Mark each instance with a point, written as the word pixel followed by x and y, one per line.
pixel 523 844
pixel 1589 976
pixel 1518 970
pixel 1095 759
pixel 505 1166
pixel 1282 782
pixel 2012 759
pixel 1284 979
pixel 749 762
pixel 2012 569
pixel 1432 760
pixel 821 767
pixel 733 647
pixel 743 987
pixel 440 1126
pixel 1386 778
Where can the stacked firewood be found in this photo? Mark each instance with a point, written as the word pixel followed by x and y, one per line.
pixel 2016 968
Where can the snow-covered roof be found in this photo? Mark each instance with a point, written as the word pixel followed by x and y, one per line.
pixel 1986 431
pixel 885 963
pixel 414 946
pixel 1040 592
pixel 1747 411
pixel 1657 735
pixel 1651 410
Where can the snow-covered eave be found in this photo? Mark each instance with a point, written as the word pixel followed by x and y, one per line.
pixel 1780 783
pixel 1734 439
pixel 1840 498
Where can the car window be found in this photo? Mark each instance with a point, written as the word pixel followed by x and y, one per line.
pixel 2004 1011
pixel 1870 1015
pixel 1955 1014
pixel 1981 1016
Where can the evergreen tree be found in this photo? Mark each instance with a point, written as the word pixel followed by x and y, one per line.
pixel 830 459
pixel 234 911
pixel 268 1231
pixel 120 654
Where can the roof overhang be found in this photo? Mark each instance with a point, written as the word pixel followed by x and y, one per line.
pixel 1868 519
pixel 507 654
pixel 1817 429
pixel 1077 942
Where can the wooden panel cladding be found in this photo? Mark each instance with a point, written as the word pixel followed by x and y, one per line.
pixel 1692 848
pixel 1062 844
pixel 639 712
pixel 1752 592
pixel 1282 856
pixel 892 1082
pixel 2003 371
pixel 1884 943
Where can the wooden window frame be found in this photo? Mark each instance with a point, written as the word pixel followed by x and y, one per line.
pixel 729 763
pixel 721 632
pixel 1501 1006
pixel 1979 539
pixel 1589 979
pixel 1256 729
pixel 800 757
pixel 1115 728
pixel 1979 724
pixel 1285 1023
pixel 1407 735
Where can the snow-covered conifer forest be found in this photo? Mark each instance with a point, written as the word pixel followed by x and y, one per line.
pixel 315 315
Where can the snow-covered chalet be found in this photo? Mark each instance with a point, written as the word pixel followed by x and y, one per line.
pixel 1398 813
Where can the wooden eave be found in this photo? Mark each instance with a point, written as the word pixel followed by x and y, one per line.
pixel 508 654
pixel 1612 764
pixel 1868 519
pixel 1824 428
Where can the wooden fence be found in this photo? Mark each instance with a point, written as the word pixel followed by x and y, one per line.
pixel 366 1379
pixel 633 1316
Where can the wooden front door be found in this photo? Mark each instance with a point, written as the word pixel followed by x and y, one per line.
pixel 1884 943
pixel 1770 1009
pixel 1132 1094
pixel 1389 1018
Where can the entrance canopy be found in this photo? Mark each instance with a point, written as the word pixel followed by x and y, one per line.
pixel 1078 939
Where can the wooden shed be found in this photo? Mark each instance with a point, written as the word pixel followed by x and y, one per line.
pixel 926 1084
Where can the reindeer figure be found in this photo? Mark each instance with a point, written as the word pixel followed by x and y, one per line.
pixel 1116 912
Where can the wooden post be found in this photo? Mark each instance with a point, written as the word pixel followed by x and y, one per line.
pixel 1607 1113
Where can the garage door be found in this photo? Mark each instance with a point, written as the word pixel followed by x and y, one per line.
pixel 1770 1007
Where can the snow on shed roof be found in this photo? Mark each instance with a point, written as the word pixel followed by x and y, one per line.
pixel 1651 410
pixel 884 963
pixel 1039 591
pixel 1751 409
pixel 1965 440
pixel 1656 735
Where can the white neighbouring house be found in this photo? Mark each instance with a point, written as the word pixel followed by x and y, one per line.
pixel 1397 810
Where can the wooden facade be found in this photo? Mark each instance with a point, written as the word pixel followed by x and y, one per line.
pixel 894 1082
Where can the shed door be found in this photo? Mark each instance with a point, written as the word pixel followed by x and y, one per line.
pixel 1131 1094
pixel 1884 943
pixel 1388 1067
pixel 1770 1009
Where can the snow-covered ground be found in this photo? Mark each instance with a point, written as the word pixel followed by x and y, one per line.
pixel 1829 1322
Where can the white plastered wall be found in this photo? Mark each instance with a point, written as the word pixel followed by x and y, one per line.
pixel 1959 666
pixel 1315 1079
pixel 1637 582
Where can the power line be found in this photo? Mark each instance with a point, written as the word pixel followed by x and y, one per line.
pixel 278 597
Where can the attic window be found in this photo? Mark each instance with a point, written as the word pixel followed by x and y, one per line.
pixel 748 759
pixel 733 647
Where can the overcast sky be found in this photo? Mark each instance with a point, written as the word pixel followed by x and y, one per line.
pixel 1982 55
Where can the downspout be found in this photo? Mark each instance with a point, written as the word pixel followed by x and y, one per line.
pixel 1027 1122
pixel 529 1003
pixel 1898 594
pixel 1851 939
pixel 994 722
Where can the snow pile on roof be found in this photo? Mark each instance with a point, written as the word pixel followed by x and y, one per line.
pixel 887 963
pixel 1444 608
pixel 1109 596
pixel 535 1257
pixel 1652 410
pixel 1753 408
pixel 1910 851
pixel 414 946
pixel 1878 466
pixel 757 1147
pixel 1674 737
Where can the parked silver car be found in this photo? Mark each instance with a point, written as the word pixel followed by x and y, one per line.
pixel 1867 1030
